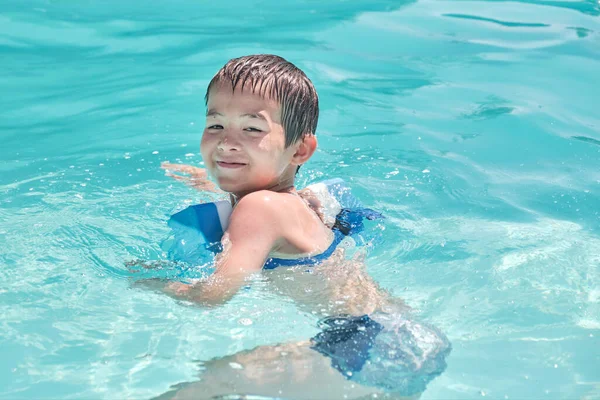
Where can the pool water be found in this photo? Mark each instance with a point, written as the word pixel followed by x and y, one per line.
pixel 472 125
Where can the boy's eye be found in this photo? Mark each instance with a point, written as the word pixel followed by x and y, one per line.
pixel 216 126
pixel 253 130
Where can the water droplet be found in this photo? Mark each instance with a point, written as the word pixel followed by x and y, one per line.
pixel 426 171
pixel 235 365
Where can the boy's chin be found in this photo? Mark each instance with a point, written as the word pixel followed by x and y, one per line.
pixel 240 188
pixel 233 187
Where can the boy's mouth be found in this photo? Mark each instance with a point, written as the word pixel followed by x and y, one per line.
pixel 224 164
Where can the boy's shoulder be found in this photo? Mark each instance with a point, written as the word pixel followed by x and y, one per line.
pixel 281 222
pixel 268 207
pixel 267 201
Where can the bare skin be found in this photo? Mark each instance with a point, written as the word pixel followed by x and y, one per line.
pixel 293 370
pixel 289 371
pixel 194 177
pixel 243 148
pixel 338 285
pixel 197 178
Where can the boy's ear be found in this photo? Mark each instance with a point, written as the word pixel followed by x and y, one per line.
pixel 305 149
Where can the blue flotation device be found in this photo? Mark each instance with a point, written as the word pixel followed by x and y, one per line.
pixel 198 229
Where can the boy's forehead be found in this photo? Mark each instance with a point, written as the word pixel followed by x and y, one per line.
pixel 222 95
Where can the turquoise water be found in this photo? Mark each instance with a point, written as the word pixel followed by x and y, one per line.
pixel 473 125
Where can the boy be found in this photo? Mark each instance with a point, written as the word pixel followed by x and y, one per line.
pixel 261 119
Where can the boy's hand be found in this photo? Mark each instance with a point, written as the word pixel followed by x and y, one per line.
pixel 177 288
pixel 212 291
pixel 196 177
pixel 314 203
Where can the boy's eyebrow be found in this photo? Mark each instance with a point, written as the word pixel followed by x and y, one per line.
pixel 212 113
pixel 254 115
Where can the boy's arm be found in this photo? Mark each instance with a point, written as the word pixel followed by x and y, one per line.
pixel 196 177
pixel 253 231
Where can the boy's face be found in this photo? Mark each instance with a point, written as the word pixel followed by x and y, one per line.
pixel 243 144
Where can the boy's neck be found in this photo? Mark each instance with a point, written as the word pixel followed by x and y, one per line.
pixel 282 186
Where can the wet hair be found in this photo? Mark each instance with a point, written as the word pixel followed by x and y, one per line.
pixel 275 78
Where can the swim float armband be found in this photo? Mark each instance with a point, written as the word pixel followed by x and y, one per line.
pixel 198 229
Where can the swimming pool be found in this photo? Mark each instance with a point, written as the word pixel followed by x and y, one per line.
pixel 473 125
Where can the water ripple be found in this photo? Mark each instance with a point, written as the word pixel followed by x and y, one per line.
pixel 507 24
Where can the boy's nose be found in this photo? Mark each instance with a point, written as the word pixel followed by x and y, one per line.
pixel 228 143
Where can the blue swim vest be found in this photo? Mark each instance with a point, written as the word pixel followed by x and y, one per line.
pixel 198 229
